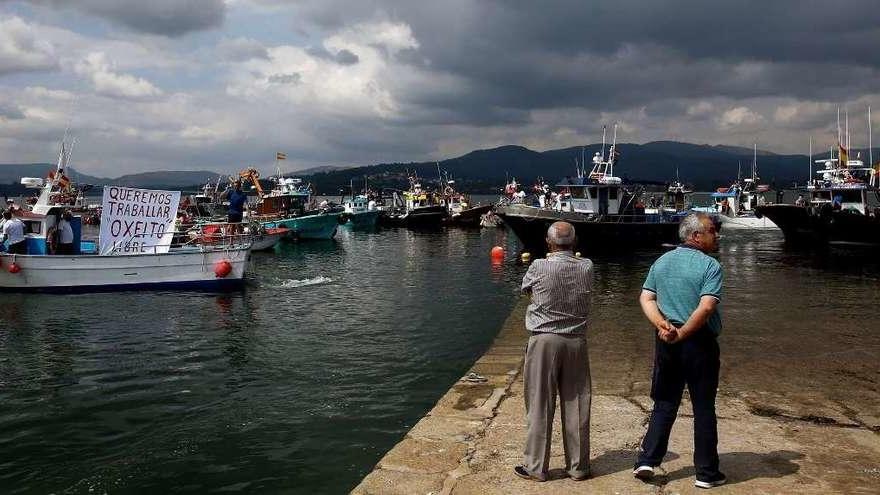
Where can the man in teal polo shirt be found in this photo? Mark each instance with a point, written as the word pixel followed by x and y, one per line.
pixel 680 298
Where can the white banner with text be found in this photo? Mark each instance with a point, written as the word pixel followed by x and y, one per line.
pixel 135 221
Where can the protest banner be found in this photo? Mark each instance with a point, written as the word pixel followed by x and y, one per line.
pixel 137 221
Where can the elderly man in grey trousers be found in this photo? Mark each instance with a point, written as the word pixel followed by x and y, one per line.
pixel 556 360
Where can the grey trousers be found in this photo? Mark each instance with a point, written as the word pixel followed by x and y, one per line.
pixel 557 364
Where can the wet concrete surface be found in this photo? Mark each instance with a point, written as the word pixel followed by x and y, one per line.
pixel 784 427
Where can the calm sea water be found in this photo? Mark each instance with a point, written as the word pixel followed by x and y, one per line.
pixel 301 382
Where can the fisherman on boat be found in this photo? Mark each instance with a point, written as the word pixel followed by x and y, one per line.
pixel 237 199
pixel 13 234
pixel 65 234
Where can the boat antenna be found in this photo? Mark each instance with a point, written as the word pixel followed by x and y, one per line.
pixel 584 160
pixel 755 164
pixel 603 143
pixel 738 170
pixel 810 177
pixel 870 149
pixel 839 142
pixel 613 151
pixel 846 117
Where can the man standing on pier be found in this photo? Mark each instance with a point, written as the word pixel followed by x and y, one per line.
pixel 680 298
pixel 556 358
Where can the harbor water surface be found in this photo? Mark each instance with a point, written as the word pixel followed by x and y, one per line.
pixel 301 382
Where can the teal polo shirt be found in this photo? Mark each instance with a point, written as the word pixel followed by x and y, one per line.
pixel 680 278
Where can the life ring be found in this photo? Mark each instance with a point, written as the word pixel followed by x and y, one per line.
pixel 52 240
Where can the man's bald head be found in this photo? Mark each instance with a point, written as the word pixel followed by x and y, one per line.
pixel 561 236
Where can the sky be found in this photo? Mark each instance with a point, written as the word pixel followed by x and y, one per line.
pixel 225 84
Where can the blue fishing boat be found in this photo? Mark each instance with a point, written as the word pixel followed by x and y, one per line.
pixel 289 205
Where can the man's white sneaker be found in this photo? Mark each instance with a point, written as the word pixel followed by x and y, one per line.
pixel 644 472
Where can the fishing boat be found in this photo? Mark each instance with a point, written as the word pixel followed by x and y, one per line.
pixel 265 239
pixel 602 210
pixel 359 212
pixel 838 209
pixel 734 206
pixel 460 210
pixel 675 199
pixel 145 259
pixel 421 208
pixel 289 205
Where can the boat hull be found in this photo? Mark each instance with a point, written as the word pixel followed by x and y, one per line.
pixel 361 220
pixel 429 216
pixel 820 226
pixel 265 242
pixel 746 222
pixel 179 269
pixel 320 227
pixel 469 217
pixel 618 233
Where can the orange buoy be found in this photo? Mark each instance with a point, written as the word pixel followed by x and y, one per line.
pixel 14 268
pixel 497 253
pixel 222 268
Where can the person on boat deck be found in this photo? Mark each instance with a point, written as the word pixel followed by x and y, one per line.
pixel 800 200
pixel 680 298
pixel 65 234
pixel 837 202
pixel 556 361
pixel 237 199
pixel 13 234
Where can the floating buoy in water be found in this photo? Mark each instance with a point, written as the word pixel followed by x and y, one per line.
pixel 14 268
pixel 526 257
pixel 497 253
pixel 222 268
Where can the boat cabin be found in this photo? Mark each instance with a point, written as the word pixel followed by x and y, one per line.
pixel 358 204
pixel 585 195
pixel 38 228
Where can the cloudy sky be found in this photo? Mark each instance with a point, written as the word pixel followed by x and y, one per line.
pixel 221 84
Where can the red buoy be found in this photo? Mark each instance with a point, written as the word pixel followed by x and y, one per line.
pixel 222 268
pixel 497 253
pixel 14 268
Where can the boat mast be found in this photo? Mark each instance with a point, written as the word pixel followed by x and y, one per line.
pixel 603 143
pixel 613 151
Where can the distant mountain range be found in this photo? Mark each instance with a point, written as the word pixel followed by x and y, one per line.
pixel 704 166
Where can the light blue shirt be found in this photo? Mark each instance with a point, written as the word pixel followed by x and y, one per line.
pixel 680 278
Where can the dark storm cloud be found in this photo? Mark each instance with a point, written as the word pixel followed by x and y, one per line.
pixel 165 17
pixel 342 57
pixel 617 54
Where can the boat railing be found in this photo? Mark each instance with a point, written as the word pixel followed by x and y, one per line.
pixel 214 236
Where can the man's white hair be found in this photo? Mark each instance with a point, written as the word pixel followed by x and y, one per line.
pixel 691 223
pixel 561 234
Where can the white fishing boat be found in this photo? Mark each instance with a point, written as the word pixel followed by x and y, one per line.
pixel 735 206
pixel 359 212
pixel 145 258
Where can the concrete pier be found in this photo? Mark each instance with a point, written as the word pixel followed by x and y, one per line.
pixel 769 442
